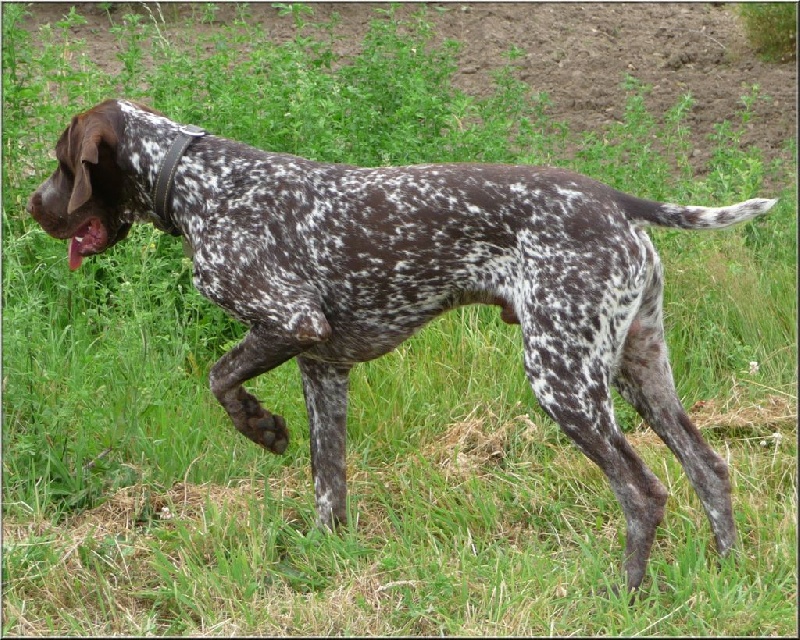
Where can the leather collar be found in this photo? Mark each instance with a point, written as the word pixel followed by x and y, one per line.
pixel 166 174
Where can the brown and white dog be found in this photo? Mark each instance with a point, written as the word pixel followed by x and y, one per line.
pixel 334 265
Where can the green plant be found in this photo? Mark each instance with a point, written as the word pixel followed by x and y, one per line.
pixel 771 28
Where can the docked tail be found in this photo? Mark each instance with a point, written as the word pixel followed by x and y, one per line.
pixel 689 217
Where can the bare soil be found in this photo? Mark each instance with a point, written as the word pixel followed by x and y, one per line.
pixel 578 53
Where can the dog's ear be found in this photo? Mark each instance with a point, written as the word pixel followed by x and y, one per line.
pixel 86 135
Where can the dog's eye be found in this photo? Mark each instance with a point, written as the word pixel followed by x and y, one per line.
pixel 64 168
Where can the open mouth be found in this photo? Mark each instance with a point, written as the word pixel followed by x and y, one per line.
pixel 90 238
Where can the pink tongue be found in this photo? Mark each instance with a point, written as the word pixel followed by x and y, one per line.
pixel 75 258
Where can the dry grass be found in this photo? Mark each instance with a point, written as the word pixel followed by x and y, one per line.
pixel 774 411
pixel 470 446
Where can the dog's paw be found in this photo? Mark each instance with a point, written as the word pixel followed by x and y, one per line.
pixel 262 427
pixel 269 430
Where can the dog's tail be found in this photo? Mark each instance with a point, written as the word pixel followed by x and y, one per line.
pixel 688 217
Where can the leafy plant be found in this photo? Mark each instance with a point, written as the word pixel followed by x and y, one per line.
pixel 771 27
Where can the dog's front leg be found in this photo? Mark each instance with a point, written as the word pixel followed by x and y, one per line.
pixel 259 351
pixel 325 387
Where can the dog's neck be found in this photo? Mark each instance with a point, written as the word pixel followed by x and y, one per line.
pixel 153 135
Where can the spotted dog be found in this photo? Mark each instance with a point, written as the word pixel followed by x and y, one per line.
pixel 334 264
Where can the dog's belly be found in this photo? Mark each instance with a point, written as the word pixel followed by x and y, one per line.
pixel 347 344
pixel 362 332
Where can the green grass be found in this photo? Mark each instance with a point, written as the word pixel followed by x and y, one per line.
pixel 472 513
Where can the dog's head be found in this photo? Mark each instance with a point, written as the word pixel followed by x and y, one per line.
pixel 80 200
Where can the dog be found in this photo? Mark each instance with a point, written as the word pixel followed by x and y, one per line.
pixel 334 264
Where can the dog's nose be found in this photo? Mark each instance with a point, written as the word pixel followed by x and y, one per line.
pixel 34 202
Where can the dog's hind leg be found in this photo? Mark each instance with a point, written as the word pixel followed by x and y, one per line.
pixel 569 352
pixel 582 408
pixel 644 379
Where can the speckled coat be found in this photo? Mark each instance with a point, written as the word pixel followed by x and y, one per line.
pixel 335 264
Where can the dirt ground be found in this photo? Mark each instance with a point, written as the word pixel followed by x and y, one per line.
pixel 577 53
